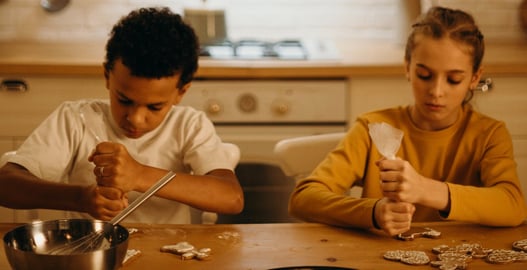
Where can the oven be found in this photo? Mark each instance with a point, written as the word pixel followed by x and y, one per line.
pixel 255 115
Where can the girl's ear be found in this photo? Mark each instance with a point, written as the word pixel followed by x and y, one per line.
pixel 407 70
pixel 476 78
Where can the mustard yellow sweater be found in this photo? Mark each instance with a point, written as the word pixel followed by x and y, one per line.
pixel 474 157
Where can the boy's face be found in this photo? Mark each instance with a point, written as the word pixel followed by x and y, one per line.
pixel 140 104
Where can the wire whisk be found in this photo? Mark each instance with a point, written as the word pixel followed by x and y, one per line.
pixel 96 240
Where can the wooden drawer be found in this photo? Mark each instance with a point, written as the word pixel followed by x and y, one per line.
pixel 22 111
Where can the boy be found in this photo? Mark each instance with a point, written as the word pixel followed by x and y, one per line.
pixel 92 168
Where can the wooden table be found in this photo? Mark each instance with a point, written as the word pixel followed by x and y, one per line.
pixel 265 246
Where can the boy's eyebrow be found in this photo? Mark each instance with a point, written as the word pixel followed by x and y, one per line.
pixel 123 96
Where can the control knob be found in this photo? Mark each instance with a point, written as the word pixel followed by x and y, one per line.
pixel 281 107
pixel 213 107
pixel 247 103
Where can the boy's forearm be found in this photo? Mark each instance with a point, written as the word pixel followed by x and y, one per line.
pixel 22 190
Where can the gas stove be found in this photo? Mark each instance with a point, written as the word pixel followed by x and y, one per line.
pixel 260 50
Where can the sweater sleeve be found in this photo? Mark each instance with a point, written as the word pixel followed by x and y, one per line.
pixel 498 201
pixel 321 197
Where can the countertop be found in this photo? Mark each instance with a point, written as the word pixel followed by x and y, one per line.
pixel 265 246
pixel 360 59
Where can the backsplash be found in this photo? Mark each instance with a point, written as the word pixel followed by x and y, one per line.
pixel 338 20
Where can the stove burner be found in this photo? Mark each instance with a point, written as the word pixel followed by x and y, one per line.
pixel 256 49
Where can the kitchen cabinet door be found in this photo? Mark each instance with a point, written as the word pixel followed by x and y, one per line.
pixel 373 93
pixel 22 111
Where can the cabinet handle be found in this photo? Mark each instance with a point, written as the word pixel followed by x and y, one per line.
pixel 14 85
pixel 485 85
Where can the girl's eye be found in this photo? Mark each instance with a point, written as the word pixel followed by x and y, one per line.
pixel 455 79
pixel 451 81
pixel 423 74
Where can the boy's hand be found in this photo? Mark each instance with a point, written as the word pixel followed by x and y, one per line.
pixel 104 202
pixel 114 167
pixel 393 217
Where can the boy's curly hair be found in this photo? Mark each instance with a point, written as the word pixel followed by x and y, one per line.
pixel 154 43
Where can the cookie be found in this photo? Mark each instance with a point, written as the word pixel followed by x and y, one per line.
pixel 412 257
pixel 520 245
pixel 449 265
pixel 501 256
pixel 187 251
pixel 179 248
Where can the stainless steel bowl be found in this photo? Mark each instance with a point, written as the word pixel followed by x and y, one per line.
pixel 26 246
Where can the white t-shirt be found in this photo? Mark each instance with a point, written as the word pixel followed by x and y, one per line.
pixel 185 141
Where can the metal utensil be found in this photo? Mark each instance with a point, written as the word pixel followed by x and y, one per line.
pixel 91 120
pixel 26 246
pixel 95 240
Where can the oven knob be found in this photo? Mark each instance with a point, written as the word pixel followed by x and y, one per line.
pixel 281 107
pixel 213 107
pixel 247 103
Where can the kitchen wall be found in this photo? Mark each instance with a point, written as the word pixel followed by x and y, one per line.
pixel 339 20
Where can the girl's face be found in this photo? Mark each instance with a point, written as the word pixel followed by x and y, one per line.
pixel 138 104
pixel 440 72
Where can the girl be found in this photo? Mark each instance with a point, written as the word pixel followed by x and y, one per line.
pixel 454 163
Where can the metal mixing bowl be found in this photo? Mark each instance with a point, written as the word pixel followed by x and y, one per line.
pixel 26 246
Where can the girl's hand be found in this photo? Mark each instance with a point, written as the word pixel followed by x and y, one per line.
pixel 393 217
pixel 400 182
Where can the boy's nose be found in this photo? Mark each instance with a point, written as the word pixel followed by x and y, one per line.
pixel 136 116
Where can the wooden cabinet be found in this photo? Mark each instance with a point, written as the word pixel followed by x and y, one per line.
pixel 506 101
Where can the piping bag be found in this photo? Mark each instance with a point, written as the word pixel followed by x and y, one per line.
pixel 386 138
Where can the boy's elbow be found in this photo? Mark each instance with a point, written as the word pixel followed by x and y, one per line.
pixel 236 205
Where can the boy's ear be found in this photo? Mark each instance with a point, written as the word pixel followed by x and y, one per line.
pixel 106 77
pixel 182 90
